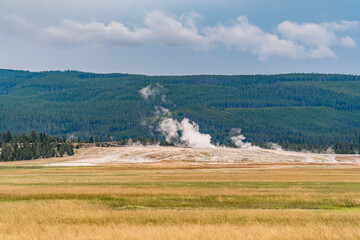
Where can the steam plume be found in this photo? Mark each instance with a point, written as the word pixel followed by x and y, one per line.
pixel 190 134
pixel 169 128
pixel 274 146
pixel 192 137
pixel 150 90
pixel 239 140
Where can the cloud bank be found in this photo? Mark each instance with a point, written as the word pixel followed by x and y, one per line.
pixel 289 39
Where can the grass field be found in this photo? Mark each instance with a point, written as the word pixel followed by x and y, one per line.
pixel 114 202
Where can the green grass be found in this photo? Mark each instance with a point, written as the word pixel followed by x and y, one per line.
pixel 329 187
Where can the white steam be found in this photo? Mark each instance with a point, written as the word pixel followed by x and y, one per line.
pixel 150 90
pixel 331 154
pixel 192 137
pixel 186 133
pixel 274 146
pixel 71 137
pixel 169 128
pixel 181 133
pixel 239 140
pixel 161 111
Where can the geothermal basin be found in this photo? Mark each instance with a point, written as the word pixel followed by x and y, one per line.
pixel 158 156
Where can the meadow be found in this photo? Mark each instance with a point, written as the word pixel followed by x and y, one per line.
pixel 135 202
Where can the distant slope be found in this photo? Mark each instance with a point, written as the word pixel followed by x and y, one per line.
pixel 301 109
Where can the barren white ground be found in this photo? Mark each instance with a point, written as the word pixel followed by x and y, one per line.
pixel 155 155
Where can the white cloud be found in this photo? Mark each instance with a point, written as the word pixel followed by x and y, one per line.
pixel 318 38
pixel 347 42
pixel 71 33
pixel 158 28
pixel 341 25
pixel 171 32
pixel 292 40
pixel 308 33
pixel 246 37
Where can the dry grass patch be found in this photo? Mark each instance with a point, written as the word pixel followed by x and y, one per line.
pixel 82 220
pixel 142 203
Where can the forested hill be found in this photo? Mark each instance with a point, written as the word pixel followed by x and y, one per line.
pixel 295 110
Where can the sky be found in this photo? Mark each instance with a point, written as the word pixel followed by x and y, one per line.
pixel 171 37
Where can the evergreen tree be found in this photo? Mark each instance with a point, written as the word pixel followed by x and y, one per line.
pixel 108 138
pixel 33 146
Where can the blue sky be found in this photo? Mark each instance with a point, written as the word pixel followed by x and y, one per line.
pixel 160 37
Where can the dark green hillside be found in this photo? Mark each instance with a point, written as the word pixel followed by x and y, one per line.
pixel 296 110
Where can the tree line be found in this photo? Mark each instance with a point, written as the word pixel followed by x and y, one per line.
pixel 33 146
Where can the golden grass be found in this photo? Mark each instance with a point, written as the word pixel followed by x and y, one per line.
pixel 81 220
pixel 137 203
